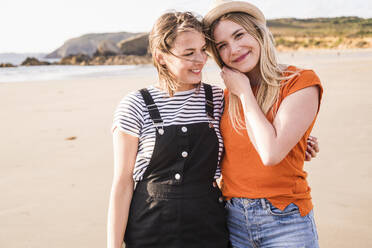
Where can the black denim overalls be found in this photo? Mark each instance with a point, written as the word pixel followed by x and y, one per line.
pixel 176 204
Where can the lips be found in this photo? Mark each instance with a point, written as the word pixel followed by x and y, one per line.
pixel 240 58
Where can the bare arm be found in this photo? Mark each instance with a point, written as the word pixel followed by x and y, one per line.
pixel 273 141
pixel 125 151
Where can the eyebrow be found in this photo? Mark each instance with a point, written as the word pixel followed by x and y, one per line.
pixel 236 31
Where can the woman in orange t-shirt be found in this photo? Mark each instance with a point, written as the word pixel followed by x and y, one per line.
pixel 269 113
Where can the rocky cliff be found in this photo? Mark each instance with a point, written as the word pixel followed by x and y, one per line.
pixel 87 44
pixel 136 45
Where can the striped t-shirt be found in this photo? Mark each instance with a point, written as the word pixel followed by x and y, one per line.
pixel 185 107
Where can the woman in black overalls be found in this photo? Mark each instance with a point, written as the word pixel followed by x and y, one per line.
pixel 177 203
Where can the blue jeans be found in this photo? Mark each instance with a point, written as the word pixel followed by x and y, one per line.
pixel 257 223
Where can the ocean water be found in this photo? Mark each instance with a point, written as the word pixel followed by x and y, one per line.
pixel 59 72
pixel 18 58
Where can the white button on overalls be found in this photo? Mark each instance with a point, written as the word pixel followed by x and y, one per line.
pixel 177 176
pixel 184 154
pixel 184 129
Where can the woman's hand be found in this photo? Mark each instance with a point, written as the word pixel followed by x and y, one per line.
pixel 312 148
pixel 235 81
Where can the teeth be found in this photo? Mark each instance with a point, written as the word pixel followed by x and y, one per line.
pixel 196 71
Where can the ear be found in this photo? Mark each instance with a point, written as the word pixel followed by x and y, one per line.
pixel 160 57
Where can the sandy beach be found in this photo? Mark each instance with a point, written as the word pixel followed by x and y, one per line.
pixel 56 153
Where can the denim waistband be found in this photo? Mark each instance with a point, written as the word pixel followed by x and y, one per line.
pixel 246 202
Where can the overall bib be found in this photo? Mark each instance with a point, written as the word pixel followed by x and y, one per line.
pixel 176 204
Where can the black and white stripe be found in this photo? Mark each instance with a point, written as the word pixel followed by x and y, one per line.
pixel 186 107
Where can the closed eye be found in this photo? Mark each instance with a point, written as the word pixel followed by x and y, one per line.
pixel 239 35
pixel 221 46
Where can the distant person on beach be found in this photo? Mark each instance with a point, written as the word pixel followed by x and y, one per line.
pixel 270 110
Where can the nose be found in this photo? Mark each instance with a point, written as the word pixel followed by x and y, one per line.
pixel 200 58
pixel 235 48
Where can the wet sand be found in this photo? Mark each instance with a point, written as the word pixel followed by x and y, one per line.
pixel 56 153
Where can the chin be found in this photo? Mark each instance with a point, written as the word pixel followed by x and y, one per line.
pixel 244 68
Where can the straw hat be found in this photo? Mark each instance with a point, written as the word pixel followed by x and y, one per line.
pixel 221 7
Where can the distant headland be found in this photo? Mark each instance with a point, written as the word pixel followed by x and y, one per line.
pixel 290 34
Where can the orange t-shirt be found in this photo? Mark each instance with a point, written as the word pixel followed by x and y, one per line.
pixel 244 174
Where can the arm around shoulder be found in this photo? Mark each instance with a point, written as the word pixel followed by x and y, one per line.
pixel 125 152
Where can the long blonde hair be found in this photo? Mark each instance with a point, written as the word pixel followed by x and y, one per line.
pixel 270 71
pixel 162 37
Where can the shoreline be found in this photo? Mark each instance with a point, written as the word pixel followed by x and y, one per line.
pixel 29 74
pixel 136 60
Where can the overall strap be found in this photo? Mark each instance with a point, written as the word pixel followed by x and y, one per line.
pixel 151 106
pixel 209 100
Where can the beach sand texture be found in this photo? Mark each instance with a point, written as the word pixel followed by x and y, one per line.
pixel 56 154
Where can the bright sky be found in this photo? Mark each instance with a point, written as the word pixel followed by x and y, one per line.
pixel 44 25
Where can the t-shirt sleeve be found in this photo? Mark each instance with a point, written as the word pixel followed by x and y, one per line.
pixel 128 116
pixel 306 78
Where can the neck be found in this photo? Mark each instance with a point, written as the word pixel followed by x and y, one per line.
pixel 181 87
pixel 185 87
pixel 254 76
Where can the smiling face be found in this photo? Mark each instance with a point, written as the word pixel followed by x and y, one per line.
pixel 236 47
pixel 187 58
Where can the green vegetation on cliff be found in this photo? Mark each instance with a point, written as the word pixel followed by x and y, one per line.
pixel 349 27
pixel 337 32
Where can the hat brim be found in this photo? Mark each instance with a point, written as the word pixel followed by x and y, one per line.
pixel 233 6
